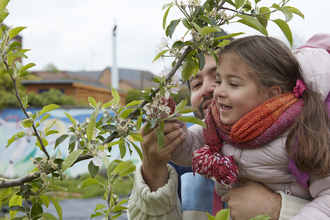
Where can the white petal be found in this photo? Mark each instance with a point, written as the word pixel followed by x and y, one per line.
pixel 97 161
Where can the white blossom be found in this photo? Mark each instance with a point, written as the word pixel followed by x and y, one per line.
pixel 163 43
pixel 97 160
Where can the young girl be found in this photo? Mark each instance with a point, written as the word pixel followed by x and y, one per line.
pixel 265 125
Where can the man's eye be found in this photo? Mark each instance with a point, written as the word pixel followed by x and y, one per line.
pixel 196 85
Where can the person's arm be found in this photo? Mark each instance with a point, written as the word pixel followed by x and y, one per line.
pixel 154 192
pixel 253 199
pixel 154 163
pixel 161 204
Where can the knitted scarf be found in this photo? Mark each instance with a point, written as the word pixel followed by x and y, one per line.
pixel 258 127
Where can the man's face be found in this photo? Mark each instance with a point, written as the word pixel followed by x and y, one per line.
pixel 202 87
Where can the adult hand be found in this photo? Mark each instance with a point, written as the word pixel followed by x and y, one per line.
pixel 154 164
pixel 252 199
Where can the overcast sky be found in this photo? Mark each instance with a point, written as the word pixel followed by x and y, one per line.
pixel 77 34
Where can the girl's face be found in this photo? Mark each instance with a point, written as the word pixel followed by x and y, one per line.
pixel 236 93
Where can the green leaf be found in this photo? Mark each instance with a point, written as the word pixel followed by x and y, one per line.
pixel 295 11
pixel 13 32
pixel 36 209
pixel 51 132
pixel 138 150
pixel 112 166
pixel 45 117
pixel 201 60
pixel 109 128
pixel 4 194
pixel 129 169
pixel 167 5
pixel 189 68
pixel 285 29
pixel 261 217
pixel 88 182
pixel 215 57
pixel 92 169
pixel 165 16
pixel 206 19
pixel 160 138
pixel 4 13
pixel 223 43
pixel 92 102
pixel 48 108
pixel 197 27
pixel 171 28
pixel 181 105
pixel 178 44
pixel 287 13
pixel 46 216
pixel 239 3
pixel 223 214
pixel 70 159
pixel 25 100
pixel 14 200
pixel 45 200
pixel 96 214
pixel 73 139
pixel 115 95
pixel 44 143
pixel 134 103
pixel 119 208
pixel 122 149
pixel 126 113
pixel 185 111
pixel 122 166
pixel 57 207
pixel 18 208
pixel 16 137
pixel 192 119
pixel 23 190
pixel 3 5
pixel 210 217
pixel 264 18
pixel 27 66
pixel 51 125
pixel 139 122
pixel 159 55
pixel 186 24
pixel 71 119
pixel 207 29
pixel 137 137
pixel 251 22
pixel 91 126
pixel 60 140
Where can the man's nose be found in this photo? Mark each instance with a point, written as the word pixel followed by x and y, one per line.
pixel 208 88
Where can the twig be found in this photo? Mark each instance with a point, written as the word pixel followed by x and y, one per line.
pixel 26 114
pixel 27 178
pixel 167 78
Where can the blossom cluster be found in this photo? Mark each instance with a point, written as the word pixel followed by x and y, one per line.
pixel 221 14
pixel 158 108
pixel 44 163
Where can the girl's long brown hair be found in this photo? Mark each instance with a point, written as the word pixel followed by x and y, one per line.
pixel 271 63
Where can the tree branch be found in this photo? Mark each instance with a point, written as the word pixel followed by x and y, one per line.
pixel 4 183
pixel 167 78
pixel 26 114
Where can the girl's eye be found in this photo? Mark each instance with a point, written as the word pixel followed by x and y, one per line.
pixel 218 82
pixel 233 84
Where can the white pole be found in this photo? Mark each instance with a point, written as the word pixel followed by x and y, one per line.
pixel 114 69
